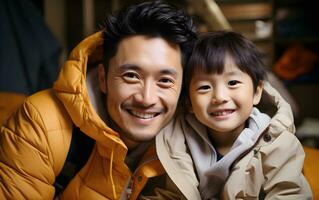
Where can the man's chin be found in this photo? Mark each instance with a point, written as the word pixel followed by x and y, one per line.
pixel 133 139
pixel 142 138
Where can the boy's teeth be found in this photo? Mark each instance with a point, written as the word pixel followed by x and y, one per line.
pixel 143 115
pixel 221 113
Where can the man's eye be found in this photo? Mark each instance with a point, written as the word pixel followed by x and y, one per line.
pixel 130 76
pixel 166 82
pixel 233 82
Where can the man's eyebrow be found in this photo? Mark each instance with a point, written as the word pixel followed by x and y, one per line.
pixel 129 66
pixel 168 70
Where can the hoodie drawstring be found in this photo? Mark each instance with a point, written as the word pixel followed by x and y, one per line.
pixel 111 174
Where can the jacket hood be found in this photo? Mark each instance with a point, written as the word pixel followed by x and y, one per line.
pixel 79 95
pixel 283 119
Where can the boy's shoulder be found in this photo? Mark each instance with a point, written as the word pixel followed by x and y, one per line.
pixel 285 143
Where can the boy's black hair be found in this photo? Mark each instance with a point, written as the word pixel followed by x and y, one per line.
pixel 154 19
pixel 211 49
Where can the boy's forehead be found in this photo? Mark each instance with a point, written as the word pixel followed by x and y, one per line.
pixel 229 69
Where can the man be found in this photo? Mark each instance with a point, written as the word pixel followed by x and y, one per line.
pixel 145 48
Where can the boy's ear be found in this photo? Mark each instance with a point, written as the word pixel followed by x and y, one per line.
pixel 102 78
pixel 258 93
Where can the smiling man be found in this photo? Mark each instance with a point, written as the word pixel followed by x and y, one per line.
pixel 103 120
pixel 142 86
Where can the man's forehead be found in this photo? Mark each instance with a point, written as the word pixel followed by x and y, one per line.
pixel 144 39
pixel 140 49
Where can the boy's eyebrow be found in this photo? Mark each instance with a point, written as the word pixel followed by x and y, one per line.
pixel 230 73
pixel 168 70
pixel 234 72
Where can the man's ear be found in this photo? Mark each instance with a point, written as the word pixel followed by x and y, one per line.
pixel 258 93
pixel 102 78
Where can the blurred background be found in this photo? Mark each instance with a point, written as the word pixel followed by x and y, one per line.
pixel 37 35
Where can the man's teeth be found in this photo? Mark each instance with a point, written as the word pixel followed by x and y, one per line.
pixel 222 113
pixel 143 115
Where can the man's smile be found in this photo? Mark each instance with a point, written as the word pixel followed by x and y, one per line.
pixel 143 115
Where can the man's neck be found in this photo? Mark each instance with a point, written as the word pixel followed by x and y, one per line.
pixel 134 155
pixel 131 145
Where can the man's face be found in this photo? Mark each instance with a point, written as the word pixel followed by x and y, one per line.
pixel 142 86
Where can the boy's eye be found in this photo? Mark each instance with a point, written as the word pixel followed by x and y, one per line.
pixel 233 82
pixel 203 88
pixel 130 76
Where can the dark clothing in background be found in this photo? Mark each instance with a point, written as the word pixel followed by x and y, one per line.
pixel 29 54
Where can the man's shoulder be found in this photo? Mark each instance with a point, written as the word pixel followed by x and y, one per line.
pixel 42 97
pixel 49 109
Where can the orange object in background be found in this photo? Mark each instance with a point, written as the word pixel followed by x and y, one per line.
pixel 296 61
pixel 310 170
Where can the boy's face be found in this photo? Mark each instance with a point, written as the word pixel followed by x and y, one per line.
pixel 223 102
pixel 142 86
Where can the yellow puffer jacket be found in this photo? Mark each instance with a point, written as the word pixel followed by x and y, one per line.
pixel 35 141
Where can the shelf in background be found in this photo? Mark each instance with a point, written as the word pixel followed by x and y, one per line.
pixel 246 11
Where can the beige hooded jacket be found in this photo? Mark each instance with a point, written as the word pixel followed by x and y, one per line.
pixel 271 168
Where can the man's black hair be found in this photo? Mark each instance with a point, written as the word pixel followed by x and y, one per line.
pixel 154 19
pixel 211 49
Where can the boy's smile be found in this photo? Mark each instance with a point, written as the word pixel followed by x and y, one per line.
pixel 222 113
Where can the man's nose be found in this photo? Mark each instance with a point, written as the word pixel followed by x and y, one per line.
pixel 147 95
pixel 220 95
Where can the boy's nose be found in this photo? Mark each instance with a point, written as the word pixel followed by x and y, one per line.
pixel 220 95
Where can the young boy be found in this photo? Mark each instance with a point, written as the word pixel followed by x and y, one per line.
pixel 238 151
